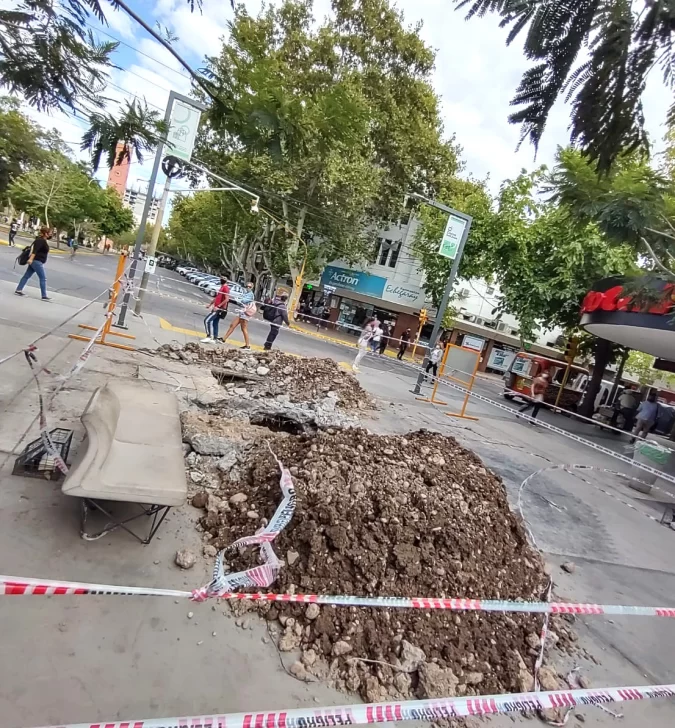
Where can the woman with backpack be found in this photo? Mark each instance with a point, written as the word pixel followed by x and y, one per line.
pixel 218 311
pixel 245 312
pixel 35 258
pixel 277 314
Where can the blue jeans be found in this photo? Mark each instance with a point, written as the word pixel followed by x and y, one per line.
pixel 211 322
pixel 39 269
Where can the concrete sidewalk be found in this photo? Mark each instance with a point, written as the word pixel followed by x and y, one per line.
pixel 98 658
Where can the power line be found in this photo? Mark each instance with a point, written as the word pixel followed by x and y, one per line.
pixel 137 50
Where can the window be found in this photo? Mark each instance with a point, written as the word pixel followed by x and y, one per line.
pixel 385 247
pixel 489 291
pixel 395 250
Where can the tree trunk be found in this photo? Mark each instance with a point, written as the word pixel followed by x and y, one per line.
pixel 603 353
pixel 617 378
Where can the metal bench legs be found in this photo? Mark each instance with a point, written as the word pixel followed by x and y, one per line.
pixel 158 514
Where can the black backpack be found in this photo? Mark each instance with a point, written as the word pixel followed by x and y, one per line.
pixel 22 258
pixel 270 312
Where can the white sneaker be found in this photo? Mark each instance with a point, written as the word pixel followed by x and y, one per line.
pixel 207 340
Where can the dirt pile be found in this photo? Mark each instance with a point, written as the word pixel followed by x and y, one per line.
pixel 389 515
pixel 299 379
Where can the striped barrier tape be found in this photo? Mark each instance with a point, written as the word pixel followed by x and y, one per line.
pixel 27 586
pixel 265 574
pixel 427 710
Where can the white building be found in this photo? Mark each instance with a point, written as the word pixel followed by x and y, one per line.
pixel 392 287
pixel 135 200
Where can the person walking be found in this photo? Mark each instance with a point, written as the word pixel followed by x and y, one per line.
pixel 364 342
pixel 277 314
pixel 245 312
pixel 384 341
pixel 217 311
pixel 39 250
pixel 626 406
pixel 539 386
pixel 403 344
pixel 434 359
pixel 375 339
pixel 13 230
pixel 646 416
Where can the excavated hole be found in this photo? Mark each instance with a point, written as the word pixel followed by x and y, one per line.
pixel 282 423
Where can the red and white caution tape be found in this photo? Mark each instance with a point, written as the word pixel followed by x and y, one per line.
pixel 27 586
pixel 265 574
pixel 370 713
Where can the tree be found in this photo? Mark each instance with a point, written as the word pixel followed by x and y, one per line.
pixel 332 123
pixel 623 40
pixel 48 55
pixel 472 198
pixel 641 365
pixel 23 144
pixel 64 195
pixel 114 219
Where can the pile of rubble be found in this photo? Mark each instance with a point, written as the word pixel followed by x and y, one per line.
pixel 275 374
pixel 389 516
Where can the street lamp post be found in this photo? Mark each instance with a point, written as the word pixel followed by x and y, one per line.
pixel 450 282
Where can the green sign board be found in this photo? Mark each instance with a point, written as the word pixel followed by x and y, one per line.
pixel 452 237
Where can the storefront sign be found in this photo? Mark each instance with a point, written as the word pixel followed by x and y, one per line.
pixel 452 236
pixel 473 342
pixel 501 359
pixel 353 280
pixel 613 300
pixel 404 294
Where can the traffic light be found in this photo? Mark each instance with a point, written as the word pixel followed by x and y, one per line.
pixel 571 350
pixel 424 317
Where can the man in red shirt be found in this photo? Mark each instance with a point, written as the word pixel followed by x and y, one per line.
pixel 217 311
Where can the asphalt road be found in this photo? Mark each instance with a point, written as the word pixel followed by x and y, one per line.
pixel 184 306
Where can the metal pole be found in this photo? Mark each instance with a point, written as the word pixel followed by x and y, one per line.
pixel 150 252
pixel 448 287
pixel 146 211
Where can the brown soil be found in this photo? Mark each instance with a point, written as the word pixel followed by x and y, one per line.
pixel 388 515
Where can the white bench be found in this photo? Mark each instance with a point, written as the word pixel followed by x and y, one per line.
pixel 132 453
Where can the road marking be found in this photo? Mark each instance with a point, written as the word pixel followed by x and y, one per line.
pixel 164 324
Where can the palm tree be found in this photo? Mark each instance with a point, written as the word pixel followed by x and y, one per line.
pixel 138 129
pixel 624 41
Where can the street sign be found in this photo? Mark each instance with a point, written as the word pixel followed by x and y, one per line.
pixel 328 289
pixel 182 130
pixel 150 265
pixel 452 236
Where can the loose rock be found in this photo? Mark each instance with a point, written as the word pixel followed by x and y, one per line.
pixel 569 567
pixel 185 559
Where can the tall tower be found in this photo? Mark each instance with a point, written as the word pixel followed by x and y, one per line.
pixel 118 175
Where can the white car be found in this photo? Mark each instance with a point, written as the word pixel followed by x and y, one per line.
pixel 196 276
pixel 208 281
pixel 185 269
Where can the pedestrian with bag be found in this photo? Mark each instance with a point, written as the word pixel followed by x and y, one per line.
pixel 217 311
pixel 277 314
pixel 539 386
pixel 245 312
pixel 35 257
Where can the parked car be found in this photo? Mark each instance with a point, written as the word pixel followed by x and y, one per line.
pixel 196 276
pixel 208 281
pixel 185 269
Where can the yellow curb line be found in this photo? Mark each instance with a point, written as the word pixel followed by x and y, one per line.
pixel 164 324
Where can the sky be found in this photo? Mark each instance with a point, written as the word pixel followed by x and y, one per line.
pixel 475 78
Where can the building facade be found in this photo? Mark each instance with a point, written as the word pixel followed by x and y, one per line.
pixel 391 287
pixel 135 200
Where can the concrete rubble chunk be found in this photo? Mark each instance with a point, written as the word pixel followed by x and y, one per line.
pixel 185 558
pixel 411 657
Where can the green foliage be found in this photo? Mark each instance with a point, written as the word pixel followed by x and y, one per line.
pixel 621 41
pixel 64 195
pixel 640 365
pixel 114 219
pixel 466 196
pixel 138 129
pixel 333 122
pixel 23 144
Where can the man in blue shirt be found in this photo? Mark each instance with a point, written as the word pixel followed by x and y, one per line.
pixel 646 416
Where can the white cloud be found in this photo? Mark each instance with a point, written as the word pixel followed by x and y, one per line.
pixel 121 24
